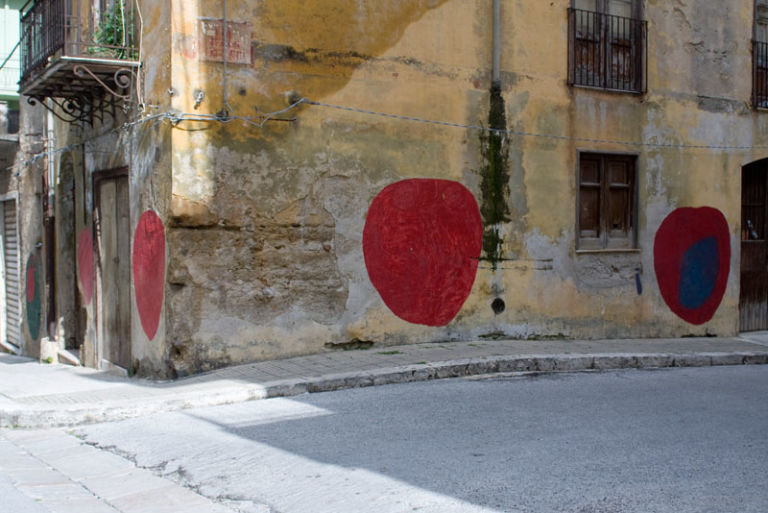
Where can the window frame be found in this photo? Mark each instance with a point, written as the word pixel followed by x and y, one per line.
pixel 602 6
pixel 610 52
pixel 604 242
pixel 759 57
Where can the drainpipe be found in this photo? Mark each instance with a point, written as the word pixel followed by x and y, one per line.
pixel 496 43
pixel 49 226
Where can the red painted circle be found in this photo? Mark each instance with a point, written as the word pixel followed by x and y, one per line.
pixel 678 234
pixel 85 263
pixel 149 270
pixel 421 243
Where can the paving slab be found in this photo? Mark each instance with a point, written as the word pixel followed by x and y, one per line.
pixel 35 395
pixel 65 481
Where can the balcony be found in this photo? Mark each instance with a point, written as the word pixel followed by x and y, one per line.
pixel 84 62
pixel 607 51
pixel 9 79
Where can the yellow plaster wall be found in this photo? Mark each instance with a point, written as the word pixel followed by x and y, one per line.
pixel 266 221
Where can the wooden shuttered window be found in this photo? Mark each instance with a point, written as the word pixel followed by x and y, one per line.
pixel 606 202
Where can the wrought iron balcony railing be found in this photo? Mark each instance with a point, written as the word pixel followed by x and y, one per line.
pixel 77 63
pixel 9 78
pixel 607 51
pixel 50 28
pixel 43 33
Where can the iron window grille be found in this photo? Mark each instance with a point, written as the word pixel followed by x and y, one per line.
pixel 760 74
pixel 607 51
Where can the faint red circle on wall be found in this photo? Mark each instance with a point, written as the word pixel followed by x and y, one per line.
pixel 86 269
pixel 421 243
pixel 149 270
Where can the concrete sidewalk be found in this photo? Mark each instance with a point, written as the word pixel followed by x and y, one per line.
pixel 34 395
pixel 44 471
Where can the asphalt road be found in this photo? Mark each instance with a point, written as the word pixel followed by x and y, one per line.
pixel 677 440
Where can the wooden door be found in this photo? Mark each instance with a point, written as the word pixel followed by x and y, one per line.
pixel 114 246
pixel 753 299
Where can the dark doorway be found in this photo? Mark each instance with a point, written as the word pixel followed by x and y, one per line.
pixel 113 226
pixel 753 299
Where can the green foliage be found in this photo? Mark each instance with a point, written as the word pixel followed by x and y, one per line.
pixel 115 34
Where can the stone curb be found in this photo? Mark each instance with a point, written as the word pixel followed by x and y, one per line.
pixel 34 416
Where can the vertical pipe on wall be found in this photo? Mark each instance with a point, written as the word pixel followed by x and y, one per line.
pixel 496 75
pixel 228 111
pixel 49 219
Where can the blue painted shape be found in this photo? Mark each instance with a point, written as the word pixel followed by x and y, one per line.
pixel 698 272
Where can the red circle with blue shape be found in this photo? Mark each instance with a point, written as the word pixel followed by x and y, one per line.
pixel 692 258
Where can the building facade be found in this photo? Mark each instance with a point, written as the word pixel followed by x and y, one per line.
pixel 237 181
pixel 10 250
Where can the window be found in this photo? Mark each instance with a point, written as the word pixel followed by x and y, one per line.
pixel 607 45
pixel 760 56
pixel 606 201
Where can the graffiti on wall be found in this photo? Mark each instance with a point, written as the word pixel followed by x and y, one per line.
pixel 421 244
pixel 149 270
pixel 692 256
pixel 85 264
pixel 34 299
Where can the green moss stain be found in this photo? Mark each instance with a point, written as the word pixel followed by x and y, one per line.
pixel 495 178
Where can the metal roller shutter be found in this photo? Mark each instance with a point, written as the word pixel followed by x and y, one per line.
pixel 12 273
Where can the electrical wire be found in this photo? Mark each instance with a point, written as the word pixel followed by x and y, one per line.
pixel 176 119
pixel 532 134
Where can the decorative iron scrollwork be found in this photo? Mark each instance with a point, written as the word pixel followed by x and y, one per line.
pixel 89 104
pixel 122 79
pixel 77 108
pixel 70 110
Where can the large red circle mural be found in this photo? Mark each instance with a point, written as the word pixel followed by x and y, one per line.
pixel 85 266
pixel 421 243
pixel 149 270
pixel 692 258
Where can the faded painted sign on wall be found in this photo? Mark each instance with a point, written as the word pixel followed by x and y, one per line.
pixel 211 40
